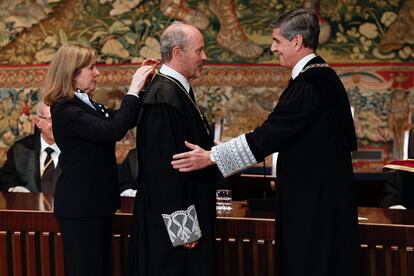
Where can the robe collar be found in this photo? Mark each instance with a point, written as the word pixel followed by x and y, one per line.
pixel 168 71
pixel 301 64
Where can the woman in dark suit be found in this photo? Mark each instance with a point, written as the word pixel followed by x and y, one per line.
pixel 87 192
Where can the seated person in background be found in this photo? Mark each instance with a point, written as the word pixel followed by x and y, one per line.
pixel 399 185
pixel 128 174
pixel 32 162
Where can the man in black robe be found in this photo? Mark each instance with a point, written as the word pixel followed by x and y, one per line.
pixel 174 213
pixel 312 129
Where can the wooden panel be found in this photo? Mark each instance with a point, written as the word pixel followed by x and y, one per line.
pixel 220 262
pixel 410 261
pixel 270 264
pixel 116 255
pixel 388 260
pixel 124 252
pixel 401 262
pixel 231 257
pixel 395 254
pixel 4 253
pixel 17 253
pixel 379 260
pixel 45 254
pixel 59 265
pixel 364 259
pixel 31 254
pixel 245 256
pixel 263 257
pixel 257 249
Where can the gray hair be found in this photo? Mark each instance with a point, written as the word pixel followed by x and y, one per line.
pixel 299 22
pixel 173 36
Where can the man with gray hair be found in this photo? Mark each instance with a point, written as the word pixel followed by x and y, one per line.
pixel 174 214
pixel 32 162
pixel 312 129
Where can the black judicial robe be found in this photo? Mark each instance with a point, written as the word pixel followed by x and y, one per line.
pixel 169 118
pixel 316 216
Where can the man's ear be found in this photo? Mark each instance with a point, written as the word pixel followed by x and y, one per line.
pixel 36 121
pixel 177 53
pixel 298 42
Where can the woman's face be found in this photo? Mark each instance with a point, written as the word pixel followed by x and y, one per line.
pixel 86 80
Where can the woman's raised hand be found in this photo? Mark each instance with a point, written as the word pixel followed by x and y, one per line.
pixel 140 77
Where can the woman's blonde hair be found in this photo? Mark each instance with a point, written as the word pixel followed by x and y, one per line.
pixel 64 68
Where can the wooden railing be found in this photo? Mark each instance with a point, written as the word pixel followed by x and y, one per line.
pixel 30 243
pixel 387 242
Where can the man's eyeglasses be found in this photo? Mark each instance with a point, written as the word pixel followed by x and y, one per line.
pixel 49 119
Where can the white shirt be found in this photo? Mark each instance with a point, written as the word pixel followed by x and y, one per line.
pixel 301 63
pixel 43 153
pixel 84 98
pixel 167 70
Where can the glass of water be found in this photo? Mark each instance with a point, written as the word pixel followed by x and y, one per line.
pixel 223 200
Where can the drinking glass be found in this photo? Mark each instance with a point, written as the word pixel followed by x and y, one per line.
pixel 223 200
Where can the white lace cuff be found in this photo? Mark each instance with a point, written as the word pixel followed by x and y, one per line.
pixel 182 226
pixel 233 156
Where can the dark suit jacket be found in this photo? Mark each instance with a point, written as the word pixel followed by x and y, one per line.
pixel 88 186
pixel 22 167
pixel 398 189
pixel 128 171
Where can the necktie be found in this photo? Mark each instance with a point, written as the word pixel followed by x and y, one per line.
pixel 191 93
pixel 46 185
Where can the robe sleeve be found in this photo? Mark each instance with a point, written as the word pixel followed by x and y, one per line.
pixel 163 132
pixel 290 116
pixel 233 156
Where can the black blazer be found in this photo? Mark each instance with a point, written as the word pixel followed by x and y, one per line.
pixel 128 171
pixel 398 189
pixel 89 185
pixel 22 167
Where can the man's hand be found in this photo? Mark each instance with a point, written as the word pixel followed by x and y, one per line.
pixel 191 245
pixel 216 142
pixel 195 159
pixel 129 193
pixel 18 189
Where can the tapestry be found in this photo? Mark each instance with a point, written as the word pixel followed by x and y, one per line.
pixel 368 42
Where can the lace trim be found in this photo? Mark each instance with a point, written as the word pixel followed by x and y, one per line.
pixel 316 65
pixel 182 226
pixel 233 156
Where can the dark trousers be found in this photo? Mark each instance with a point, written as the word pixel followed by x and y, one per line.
pixel 86 245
